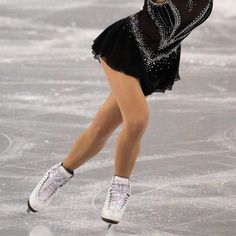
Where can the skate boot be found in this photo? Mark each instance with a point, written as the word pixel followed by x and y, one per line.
pixel 116 200
pixel 44 192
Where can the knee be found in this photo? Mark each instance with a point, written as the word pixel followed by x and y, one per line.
pixel 136 126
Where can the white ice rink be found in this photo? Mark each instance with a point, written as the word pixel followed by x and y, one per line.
pixel 184 180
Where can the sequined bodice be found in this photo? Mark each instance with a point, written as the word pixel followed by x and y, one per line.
pixel 175 19
pixel 160 28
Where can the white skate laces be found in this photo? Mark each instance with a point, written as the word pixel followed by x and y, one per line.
pixel 52 181
pixel 44 192
pixel 119 194
pixel 116 201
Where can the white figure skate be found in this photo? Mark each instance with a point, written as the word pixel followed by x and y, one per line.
pixel 116 200
pixel 44 192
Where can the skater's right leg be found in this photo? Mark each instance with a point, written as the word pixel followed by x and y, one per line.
pixel 94 138
pixel 90 142
pixel 134 108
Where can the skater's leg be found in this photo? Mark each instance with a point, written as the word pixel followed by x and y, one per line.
pixel 87 145
pixel 132 103
pixel 93 139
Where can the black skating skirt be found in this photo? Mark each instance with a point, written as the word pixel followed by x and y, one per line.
pixel 117 46
pixel 124 46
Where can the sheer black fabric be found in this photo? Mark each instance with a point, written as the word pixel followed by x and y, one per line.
pixel 147 44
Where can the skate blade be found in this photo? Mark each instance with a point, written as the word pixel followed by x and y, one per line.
pixel 30 209
pixel 110 221
pixel 108 227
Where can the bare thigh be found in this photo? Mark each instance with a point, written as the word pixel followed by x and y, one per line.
pixel 108 117
pixel 128 94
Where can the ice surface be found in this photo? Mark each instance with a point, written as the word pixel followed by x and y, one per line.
pixel 184 181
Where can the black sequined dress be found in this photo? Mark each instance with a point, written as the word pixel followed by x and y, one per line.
pixel 147 44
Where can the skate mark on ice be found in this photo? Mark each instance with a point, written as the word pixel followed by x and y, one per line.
pixel 218 88
pixel 199 219
pixel 190 179
pixel 10 142
pixel 193 141
pixel 189 123
pixel 206 161
pixel 227 139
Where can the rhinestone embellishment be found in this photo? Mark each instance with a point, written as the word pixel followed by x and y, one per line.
pixel 169 42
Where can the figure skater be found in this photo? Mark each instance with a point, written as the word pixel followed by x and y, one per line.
pixel 139 55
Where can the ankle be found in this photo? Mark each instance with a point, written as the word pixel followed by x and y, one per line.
pixel 67 169
pixel 126 177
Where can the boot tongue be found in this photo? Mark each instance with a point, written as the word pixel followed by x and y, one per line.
pixel 122 180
